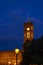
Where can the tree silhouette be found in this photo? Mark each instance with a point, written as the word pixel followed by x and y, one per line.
pixel 33 51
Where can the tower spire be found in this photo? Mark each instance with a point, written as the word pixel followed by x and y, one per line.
pixel 28 30
pixel 28 19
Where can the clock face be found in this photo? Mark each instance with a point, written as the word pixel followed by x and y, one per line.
pixel 28 29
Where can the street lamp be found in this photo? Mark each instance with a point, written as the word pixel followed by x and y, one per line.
pixel 16 51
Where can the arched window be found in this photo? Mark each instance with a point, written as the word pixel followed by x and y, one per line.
pixel 28 34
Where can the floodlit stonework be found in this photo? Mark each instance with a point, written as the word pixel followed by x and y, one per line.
pixel 9 57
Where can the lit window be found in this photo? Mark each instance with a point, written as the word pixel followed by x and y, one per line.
pixel 28 34
pixel 24 35
pixel 28 29
pixel 31 34
pixel 31 28
pixel 9 62
pixel 14 63
pixel 18 60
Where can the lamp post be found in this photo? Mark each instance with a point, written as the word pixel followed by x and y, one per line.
pixel 16 51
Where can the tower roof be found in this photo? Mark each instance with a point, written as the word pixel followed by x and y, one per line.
pixel 29 22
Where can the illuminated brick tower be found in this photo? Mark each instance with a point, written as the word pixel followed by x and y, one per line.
pixel 28 31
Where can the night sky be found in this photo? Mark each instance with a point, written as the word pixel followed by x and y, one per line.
pixel 13 13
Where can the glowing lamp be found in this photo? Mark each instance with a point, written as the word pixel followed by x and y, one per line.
pixel 28 29
pixel 16 51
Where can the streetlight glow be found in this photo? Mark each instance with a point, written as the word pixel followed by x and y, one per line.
pixel 17 51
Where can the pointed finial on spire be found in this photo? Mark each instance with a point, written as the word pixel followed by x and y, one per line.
pixel 28 19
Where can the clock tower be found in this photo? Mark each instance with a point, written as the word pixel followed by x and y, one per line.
pixel 28 31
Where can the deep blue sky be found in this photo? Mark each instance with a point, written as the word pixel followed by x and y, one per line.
pixel 13 13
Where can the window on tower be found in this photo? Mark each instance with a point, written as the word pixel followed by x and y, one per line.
pixel 32 35
pixel 28 34
pixel 24 35
pixel 31 27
